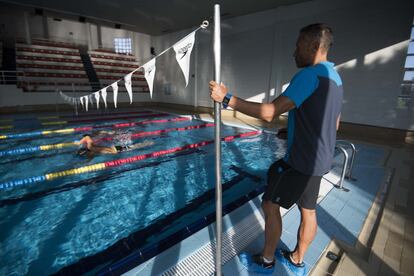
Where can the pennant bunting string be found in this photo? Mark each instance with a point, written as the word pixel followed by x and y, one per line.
pixel 182 48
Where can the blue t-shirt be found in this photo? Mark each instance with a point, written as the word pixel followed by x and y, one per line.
pixel 317 93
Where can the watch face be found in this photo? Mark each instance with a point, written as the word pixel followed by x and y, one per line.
pixel 227 98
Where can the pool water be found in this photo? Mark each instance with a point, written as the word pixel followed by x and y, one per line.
pixel 51 225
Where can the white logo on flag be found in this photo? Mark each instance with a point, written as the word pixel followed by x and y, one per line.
pixel 115 91
pixel 149 68
pixel 97 95
pixel 183 50
pixel 128 85
pixel 103 95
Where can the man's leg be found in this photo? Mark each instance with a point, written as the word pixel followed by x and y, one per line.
pixel 306 233
pixel 273 228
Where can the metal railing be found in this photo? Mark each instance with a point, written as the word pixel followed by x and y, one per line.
pixel 9 77
pixel 348 175
pixel 20 79
pixel 346 170
pixel 61 40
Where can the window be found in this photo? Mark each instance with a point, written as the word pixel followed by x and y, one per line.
pixel 407 86
pixel 123 45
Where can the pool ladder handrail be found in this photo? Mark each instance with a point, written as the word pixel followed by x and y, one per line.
pixel 346 172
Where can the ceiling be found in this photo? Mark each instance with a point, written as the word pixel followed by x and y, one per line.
pixel 154 17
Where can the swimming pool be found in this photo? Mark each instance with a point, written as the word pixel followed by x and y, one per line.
pixel 89 221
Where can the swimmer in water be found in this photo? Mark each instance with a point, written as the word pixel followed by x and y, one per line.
pixel 90 148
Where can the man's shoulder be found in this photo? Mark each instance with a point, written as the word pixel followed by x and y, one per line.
pixel 305 74
pixel 327 70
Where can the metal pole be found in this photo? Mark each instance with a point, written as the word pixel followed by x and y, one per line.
pixel 217 122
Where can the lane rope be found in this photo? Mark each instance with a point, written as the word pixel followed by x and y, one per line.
pixel 89 128
pixel 115 163
pixel 137 135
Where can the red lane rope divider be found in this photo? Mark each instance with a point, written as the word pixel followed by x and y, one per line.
pixel 136 158
pixel 157 132
pixel 115 163
pixel 121 125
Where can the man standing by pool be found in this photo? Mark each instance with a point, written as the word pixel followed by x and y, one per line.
pixel 313 99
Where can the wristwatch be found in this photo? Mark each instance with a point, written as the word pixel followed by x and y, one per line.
pixel 226 100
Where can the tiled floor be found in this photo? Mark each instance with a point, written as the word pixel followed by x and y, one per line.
pixel 392 251
pixel 340 214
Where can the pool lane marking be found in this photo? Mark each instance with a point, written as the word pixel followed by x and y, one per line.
pixel 6 120
pixel 117 162
pixel 90 181
pixel 40 118
pixel 103 119
pixel 54 123
pixel 137 247
pixel 72 144
pixel 89 128
pixel 45 118
pixel 6 127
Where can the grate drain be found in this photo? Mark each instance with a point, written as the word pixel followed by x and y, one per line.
pixel 234 240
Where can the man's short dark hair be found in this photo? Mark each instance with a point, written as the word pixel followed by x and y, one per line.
pixel 319 33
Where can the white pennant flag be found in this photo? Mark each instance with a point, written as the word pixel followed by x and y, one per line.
pixel 81 101
pixel 183 50
pixel 115 91
pixel 128 85
pixel 97 95
pixel 103 94
pixel 91 99
pixel 149 68
pixel 86 102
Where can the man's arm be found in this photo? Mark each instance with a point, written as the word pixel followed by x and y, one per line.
pixel 264 111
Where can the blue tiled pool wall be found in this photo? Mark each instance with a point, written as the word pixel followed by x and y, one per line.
pixel 145 253
pixel 131 251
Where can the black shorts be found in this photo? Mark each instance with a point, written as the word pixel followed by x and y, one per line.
pixel 287 186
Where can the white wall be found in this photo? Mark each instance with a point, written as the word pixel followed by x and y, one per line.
pixel 371 40
pixel 67 30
